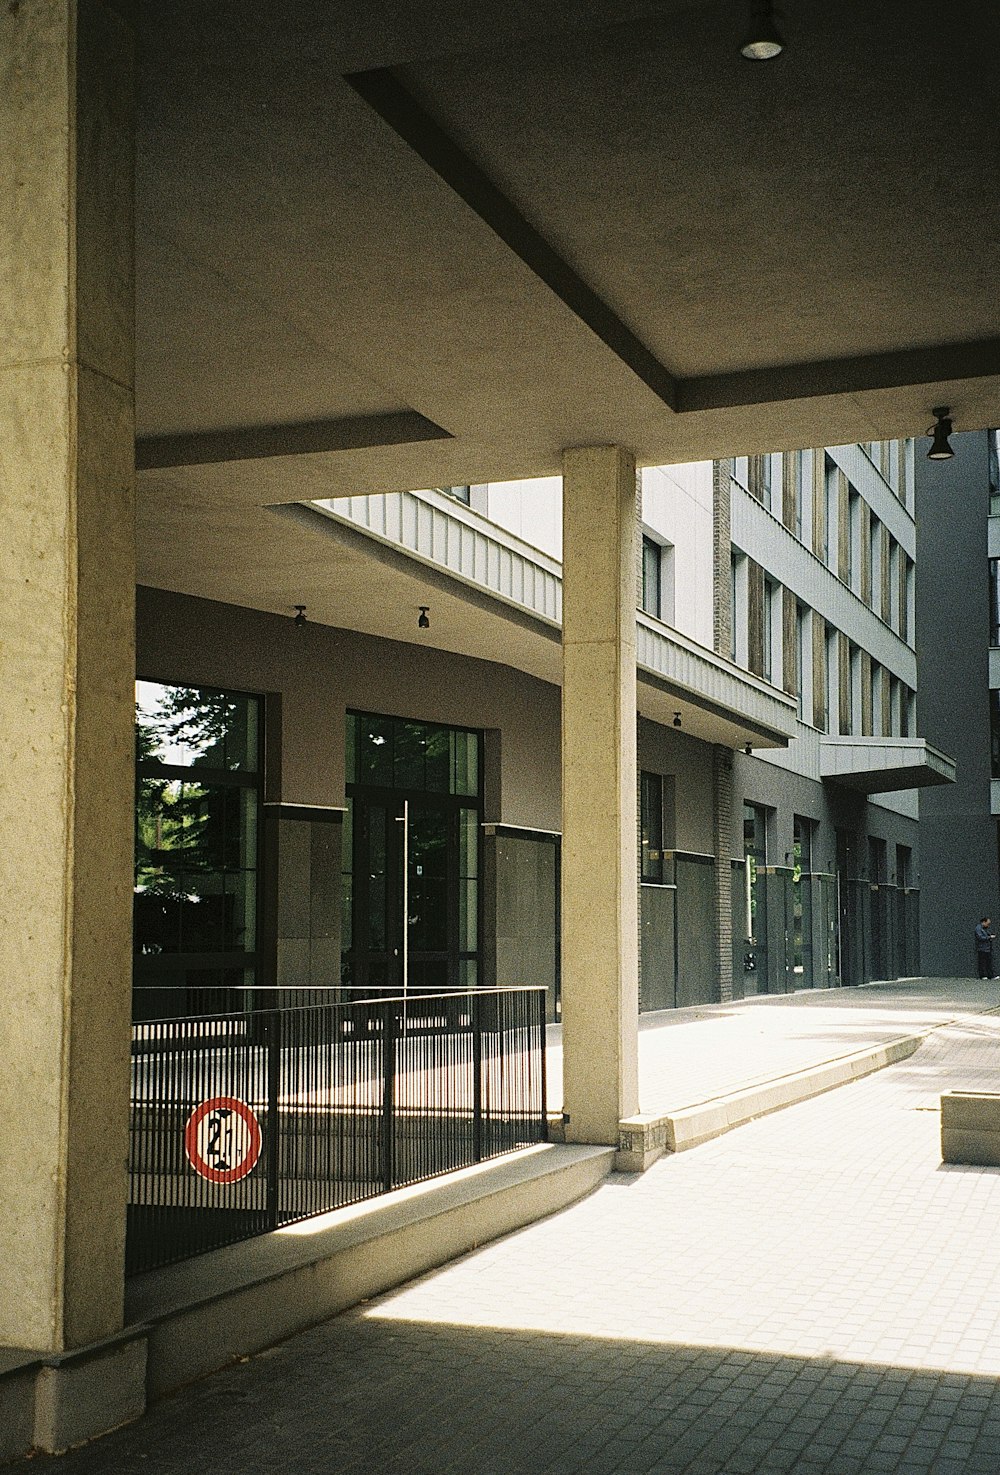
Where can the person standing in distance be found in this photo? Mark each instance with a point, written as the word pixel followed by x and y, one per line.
pixel 984 948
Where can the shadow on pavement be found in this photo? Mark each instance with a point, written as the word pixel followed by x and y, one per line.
pixel 394 1398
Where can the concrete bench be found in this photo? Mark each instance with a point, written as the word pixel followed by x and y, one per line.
pixel 970 1128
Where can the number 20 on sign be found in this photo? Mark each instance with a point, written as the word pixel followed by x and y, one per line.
pixel 223 1139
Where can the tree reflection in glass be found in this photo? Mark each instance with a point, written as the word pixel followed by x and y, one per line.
pixel 195 820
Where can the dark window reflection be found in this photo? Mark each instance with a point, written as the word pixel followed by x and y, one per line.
pixel 196 833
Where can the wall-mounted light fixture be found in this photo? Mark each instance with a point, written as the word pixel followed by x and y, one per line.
pixel 423 623
pixel 747 749
pixel 941 429
pixel 677 719
pixel 763 39
pixel 300 615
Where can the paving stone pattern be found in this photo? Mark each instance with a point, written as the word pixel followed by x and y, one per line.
pixel 812 1293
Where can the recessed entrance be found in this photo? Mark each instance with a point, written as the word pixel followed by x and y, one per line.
pixel 411 856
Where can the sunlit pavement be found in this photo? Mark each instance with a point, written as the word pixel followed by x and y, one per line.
pixel 813 1292
pixel 690 1055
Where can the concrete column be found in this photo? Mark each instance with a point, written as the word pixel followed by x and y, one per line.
pixel 67 578
pixel 600 929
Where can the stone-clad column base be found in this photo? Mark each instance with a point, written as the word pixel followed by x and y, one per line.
pixel 50 1403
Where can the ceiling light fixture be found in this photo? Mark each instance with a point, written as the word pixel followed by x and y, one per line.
pixel 300 615
pixel 941 429
pixel 677 719
pixel 763 40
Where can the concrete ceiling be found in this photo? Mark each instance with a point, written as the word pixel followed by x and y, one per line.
pixel 404 245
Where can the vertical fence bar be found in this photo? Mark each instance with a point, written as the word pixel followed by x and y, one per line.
pixel 388 1011
pixel 272 1047
pixel 476 1017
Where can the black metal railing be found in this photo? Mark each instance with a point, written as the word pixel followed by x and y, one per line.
pixel 244 1122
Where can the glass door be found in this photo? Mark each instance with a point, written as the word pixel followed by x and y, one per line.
pixel 411 921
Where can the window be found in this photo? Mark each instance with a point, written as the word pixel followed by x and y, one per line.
pixel 831 542
pixel 739 652
pixel 833 681
pixel 895 561
pixel 904 865
pixel 801 896
pixel 395 753
pixel 854 541
pixel 880 701
pixel 652 600
pixel 197 826
pixel 651 827
pixel 994 601
pixel 854 666
pixel 875 564
pixel 733 595
pixel 800 659
pixel 772 611
pixel 803 662
pixel 770 480
pixel 803 496
pixel 741 471
pixel 993 442
pixel 906 602
pixel 460 494
pixel 754 857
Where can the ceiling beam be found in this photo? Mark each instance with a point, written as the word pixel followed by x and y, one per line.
pixel 257 442
pixel 397 107
pixel 893 370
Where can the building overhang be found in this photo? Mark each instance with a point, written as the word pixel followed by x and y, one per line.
pixel 873 765
pixel 453 549
pixel 717 701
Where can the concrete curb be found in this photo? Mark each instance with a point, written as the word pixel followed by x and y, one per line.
pixel 645 1137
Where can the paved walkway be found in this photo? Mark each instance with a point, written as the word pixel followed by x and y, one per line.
pixel 691 1055
pixel 812 1293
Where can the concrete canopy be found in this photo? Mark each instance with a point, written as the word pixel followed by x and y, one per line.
pixel 393 246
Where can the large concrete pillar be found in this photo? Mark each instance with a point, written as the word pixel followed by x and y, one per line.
pixel 600 928
pixel 67 582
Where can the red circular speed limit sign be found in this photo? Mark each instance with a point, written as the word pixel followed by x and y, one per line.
pixel 222 1139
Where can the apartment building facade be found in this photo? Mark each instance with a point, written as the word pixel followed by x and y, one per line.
pixel 777 824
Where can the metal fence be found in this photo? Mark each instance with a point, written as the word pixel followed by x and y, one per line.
pixel 244 1122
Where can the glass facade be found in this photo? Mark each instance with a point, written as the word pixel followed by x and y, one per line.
pixel 411 855
pixel 197 836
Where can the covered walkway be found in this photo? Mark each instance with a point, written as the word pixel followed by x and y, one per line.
pixel 814 1292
